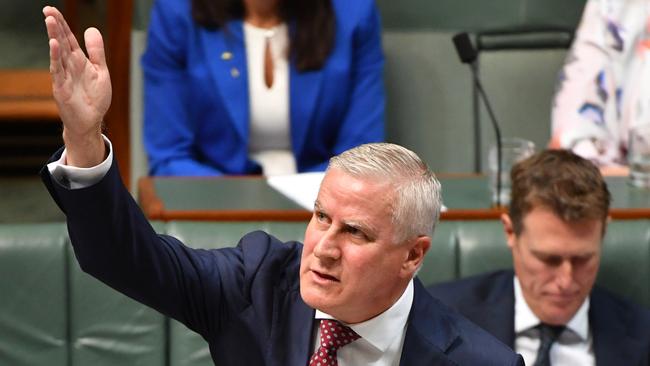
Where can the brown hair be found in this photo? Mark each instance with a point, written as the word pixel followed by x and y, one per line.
pixel 310 43
pixel 570 186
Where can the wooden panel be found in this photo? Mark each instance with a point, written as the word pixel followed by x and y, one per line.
pixel 118 54
pixel 27 94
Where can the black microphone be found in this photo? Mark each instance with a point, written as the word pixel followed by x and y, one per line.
pixel 468 55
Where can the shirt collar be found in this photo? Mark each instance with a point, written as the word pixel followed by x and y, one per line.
pixel 381 330
pixel 525 319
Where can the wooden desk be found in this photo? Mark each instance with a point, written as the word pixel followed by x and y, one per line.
pixel 251 199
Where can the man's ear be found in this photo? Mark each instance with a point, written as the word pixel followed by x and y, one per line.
pixel 508 229
pixel 416 255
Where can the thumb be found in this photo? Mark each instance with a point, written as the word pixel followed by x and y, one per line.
pixel 95 47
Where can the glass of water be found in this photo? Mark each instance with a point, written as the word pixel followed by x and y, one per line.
pixel 638 155
pixel 513 149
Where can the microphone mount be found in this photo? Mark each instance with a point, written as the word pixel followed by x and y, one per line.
pixel 468 55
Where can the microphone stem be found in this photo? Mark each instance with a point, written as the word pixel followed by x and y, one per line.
pixel 497 131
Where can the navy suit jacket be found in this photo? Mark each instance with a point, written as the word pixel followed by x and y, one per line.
pixel 621 330
pixel 245 301
pixel 196 118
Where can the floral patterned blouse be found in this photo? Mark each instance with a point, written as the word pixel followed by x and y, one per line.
pixel 604 87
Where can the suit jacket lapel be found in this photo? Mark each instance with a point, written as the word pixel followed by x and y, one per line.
pixel 229 73
pixel 429 333
pixel 304 89
pixel 497 313
pixel 612 345
pixel 292 323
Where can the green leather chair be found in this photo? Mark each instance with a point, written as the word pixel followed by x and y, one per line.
pixel 33 295
pixel 108 328
pixel 53 314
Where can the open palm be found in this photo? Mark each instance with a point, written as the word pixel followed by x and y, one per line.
pixel 81 85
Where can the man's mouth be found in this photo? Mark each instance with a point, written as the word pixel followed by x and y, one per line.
pixel 324 276
pixel 562 298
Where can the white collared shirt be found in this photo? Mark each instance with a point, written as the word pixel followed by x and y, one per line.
pixel 573 347
pixel 382 337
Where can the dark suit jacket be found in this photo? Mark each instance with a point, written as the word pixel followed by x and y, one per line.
pixel 621 330
pixel 245 301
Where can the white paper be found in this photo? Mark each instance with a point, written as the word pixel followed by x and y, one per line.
pixel 301 188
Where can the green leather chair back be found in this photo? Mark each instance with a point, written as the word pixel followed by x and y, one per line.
pixel 481 248
pixel 33 301
pixel 625 263
pixel 108 328
pixel 53 314
pixel 440 262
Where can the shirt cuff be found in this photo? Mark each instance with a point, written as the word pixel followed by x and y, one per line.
pixel 73 177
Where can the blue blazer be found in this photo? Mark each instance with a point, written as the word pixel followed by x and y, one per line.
pixel 621 330
pixel 245 301
pixel 196 118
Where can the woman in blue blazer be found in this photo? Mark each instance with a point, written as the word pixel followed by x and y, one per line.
pixel 197 111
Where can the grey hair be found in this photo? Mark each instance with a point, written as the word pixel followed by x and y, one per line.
pixel 417 200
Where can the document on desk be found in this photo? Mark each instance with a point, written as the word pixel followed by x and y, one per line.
pixel 301 188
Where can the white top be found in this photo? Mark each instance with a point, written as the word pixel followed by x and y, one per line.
pixel 382 337
pixel 573 347
pixel 269 136
pixel 604 87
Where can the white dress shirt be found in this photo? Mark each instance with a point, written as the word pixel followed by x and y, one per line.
pixel 573 347
pixel 382 337
pixel 270 141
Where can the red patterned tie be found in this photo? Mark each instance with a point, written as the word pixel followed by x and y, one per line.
pixel 333 335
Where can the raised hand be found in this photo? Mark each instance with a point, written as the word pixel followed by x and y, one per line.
pixel 81 87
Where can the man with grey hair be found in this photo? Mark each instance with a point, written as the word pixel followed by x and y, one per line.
pixel 347 296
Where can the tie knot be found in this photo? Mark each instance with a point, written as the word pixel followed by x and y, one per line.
pixel 550 333
pixel 334 335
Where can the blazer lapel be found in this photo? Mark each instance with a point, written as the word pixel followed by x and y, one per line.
pixel 292 323
pixel 304 89
pixel 497 313
pixel 612 345
pixel 226 58
pixel 429 333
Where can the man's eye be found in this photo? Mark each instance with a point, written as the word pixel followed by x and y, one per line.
pixel 356 232
pixel 321 216
pixel 553 261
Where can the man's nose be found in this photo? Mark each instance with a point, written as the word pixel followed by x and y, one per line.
pixel 564 276
pixel 327 248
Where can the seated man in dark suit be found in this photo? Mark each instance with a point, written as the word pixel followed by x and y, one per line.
pixel 348 296
pixel 548 309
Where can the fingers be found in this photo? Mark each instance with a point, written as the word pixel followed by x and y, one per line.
pixel 95 47
pixel 60 29
pixel 56 67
